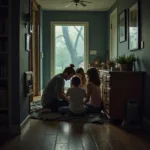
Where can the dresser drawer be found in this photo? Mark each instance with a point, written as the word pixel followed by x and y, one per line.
pixel 106 80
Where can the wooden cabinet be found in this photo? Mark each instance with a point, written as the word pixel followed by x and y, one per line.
pixel 117 89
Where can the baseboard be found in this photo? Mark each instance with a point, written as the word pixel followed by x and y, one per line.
pixel 20 128
pixel 146 124
pixel 25 123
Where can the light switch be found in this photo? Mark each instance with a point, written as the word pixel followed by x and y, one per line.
pixel 42 55
pixel 93 52
pixel 142 44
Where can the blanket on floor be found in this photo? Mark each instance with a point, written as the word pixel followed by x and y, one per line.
pixel 45 114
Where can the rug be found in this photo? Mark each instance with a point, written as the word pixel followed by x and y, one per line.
pixel 46 115
pixel 35 106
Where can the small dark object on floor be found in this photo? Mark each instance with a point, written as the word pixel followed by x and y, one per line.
pixel 6 137
pixel 71 114
pixel 96 120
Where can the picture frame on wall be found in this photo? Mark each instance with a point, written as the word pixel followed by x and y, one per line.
pixel 122 26
pixel 134 27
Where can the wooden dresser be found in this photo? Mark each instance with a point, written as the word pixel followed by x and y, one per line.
pixel 117 89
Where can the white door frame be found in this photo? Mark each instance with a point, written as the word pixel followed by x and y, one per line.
pixel 52 44
pixel 115 12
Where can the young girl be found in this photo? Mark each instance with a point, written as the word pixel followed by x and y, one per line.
pixel 93 100
pixel 80 73
pixel 76 98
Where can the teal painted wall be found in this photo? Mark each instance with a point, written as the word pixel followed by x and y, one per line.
pixel 143 54
pixel 24 61
pixel 19 62
pixel 113 7
pixel 98 34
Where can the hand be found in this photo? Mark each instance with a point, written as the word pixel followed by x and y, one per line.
pixel 68 98
pixel 85 101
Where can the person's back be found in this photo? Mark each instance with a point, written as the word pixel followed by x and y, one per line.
pixel 93 101
pixel 53 95
pixel 77 96
pixel 51 91
pixel 95 97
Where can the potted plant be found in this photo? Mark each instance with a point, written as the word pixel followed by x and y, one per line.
pixel 110 64
pixel 126 62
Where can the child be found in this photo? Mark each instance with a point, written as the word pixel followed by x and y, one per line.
pixel 93 100
pixel 76 97
pixel 80 73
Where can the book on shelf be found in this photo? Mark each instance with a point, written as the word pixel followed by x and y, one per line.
pixel 3 70
pixel 3 99
pixel 3 45
pixel 4 26
pixel 1 25
pixel 4 122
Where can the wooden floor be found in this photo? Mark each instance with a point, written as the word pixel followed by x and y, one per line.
pixel 77 136
pixel 35 98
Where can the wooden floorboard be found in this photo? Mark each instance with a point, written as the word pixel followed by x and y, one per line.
pixel 50 135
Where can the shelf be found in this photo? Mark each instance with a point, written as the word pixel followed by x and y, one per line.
pixel 3 6
pixel 3 78
pixel 3 109
pixel 3 36
pixel 3 52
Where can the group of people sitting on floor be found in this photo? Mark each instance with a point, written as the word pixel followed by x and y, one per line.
pixel 83 96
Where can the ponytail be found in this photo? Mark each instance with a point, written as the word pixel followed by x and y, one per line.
pixel 70 69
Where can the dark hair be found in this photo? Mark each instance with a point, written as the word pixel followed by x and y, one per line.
pixel 75 81
pixel 93 76
pixel 79 70
pixel 69 70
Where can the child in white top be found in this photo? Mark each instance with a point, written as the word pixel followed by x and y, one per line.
pixel 76 96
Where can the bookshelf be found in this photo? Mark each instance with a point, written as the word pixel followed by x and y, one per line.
pixel 4 64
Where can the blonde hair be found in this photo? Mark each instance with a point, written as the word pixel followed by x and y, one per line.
pixel 80 72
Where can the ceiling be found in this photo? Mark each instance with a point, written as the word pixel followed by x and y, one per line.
pixel 97 5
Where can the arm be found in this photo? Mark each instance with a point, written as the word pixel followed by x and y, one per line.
pixel 89 90
pixel 59 88
pixel 62 95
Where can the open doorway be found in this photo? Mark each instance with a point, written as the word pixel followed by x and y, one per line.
pixel 113 35
pixel 34 53
pixel 69 45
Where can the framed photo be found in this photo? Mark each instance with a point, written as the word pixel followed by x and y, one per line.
pixel 27 42
pixel 122 26
pixel 134 27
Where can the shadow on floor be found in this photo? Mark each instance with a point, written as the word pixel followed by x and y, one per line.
pixel 6 137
